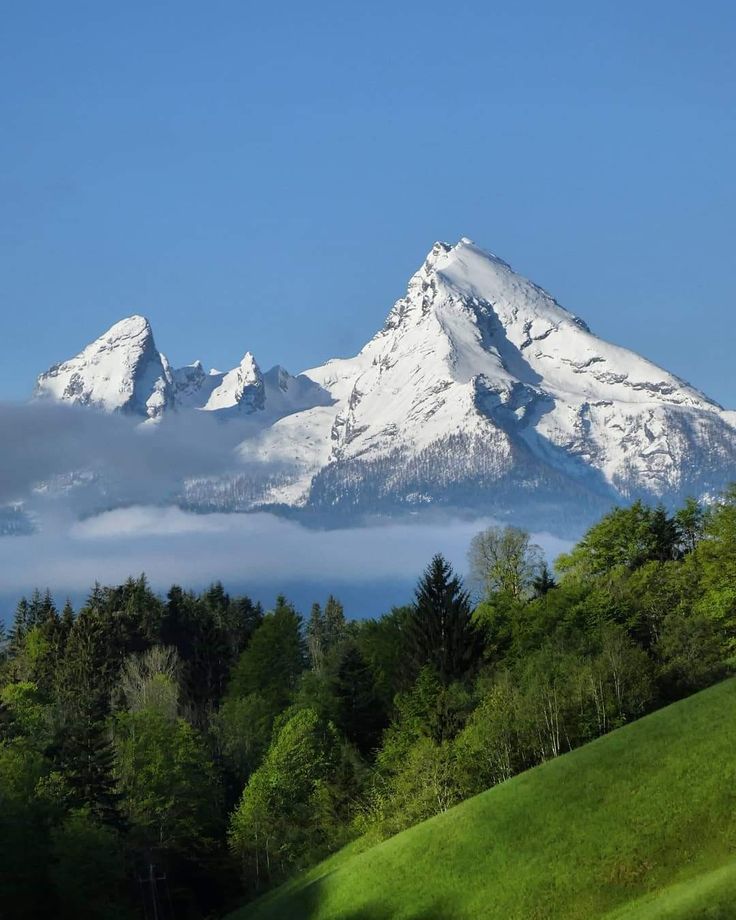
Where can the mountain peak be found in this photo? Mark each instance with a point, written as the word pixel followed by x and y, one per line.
pixel 442 254
pixel 120 371
pixel 479 386
pixel 472 273
pixel 134 322
pixel 249 365
pixel 240 389
pixel 131 327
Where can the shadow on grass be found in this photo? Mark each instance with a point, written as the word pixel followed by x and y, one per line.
pixel 312 902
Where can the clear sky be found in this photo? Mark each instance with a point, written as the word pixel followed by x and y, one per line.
pixel 266 176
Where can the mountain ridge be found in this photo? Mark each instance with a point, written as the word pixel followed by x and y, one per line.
pixel 479 389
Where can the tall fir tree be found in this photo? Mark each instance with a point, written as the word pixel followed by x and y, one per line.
pixel 543 582
pixel 335 626
pixel 441 630
pixel 358 712
pixel 316 644
pixel 85 756
pixel 21 625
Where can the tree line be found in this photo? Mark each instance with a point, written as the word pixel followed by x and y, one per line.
pixel 187 751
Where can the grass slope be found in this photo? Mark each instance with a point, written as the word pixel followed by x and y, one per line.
pixel 638 824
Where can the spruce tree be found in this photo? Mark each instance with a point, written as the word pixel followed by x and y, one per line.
pixel 21 625
pixel 666 535
pixel 543 582
pixel 358 711
pixel 86 757
pixel 441 630
pixel 316 637
pixel 335 626
pixel 67 619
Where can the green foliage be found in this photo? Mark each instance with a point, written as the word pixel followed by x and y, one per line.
pixel 491 747
pixel 276 823
pixel 626 537
pixel 385 645
pixel 25 714
pixel 242 727
pixel 441 631
pixel 167 780
pixel 24 848
pixel 617 830
pixel 334 620
pixel 355 708
pixel 691 521
pixel 130 731
pixel 274 660
pixel 692 653
pixel 86 758
pixel 88 870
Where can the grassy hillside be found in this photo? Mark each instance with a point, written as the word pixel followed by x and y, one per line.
pixel 638 824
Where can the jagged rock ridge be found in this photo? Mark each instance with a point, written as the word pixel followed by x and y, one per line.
pixel 480 391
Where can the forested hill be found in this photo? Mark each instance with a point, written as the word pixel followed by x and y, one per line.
pixel 189 752
pixel 634 826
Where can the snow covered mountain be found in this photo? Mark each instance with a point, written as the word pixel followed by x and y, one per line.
pixel 120 371
pixel 123 371
pixel 480 392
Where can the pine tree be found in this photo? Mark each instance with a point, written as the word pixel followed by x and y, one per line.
pixel 358 711
pixel 316 637
pixel 67 619
pixel 86 757
pixel 91 661
pixel 21 625
pixel 543 582
pixel 274 660
pixel 335 626
pixel 441 630
pixel 666 535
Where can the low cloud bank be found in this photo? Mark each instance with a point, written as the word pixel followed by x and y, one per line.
pixel 44 442
pixel 258 550
pixel 139 467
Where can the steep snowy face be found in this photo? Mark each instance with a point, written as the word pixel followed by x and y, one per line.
pixel 478 372
pixel 240 389
pixel 123 371
pixel 120 371
pixel 193 386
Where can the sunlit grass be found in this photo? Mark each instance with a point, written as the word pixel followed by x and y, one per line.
pixel 638 824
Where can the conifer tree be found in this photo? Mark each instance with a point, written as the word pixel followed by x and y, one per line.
pixel 67 619
pixel 441 630
pixel 334 622
pixel 274 659
pixel 86 757
pixel 358 711
pixel 21 625
pixel 543 582
pixel 316 636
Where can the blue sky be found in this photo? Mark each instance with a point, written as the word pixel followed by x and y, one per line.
pixel 267 176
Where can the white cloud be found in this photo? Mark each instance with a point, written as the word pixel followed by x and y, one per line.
pixel 75 546
pixel 171 545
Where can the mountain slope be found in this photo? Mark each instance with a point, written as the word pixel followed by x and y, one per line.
pixel 477 371
pixel 638 824
pixel 480 392
pixel 120 371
